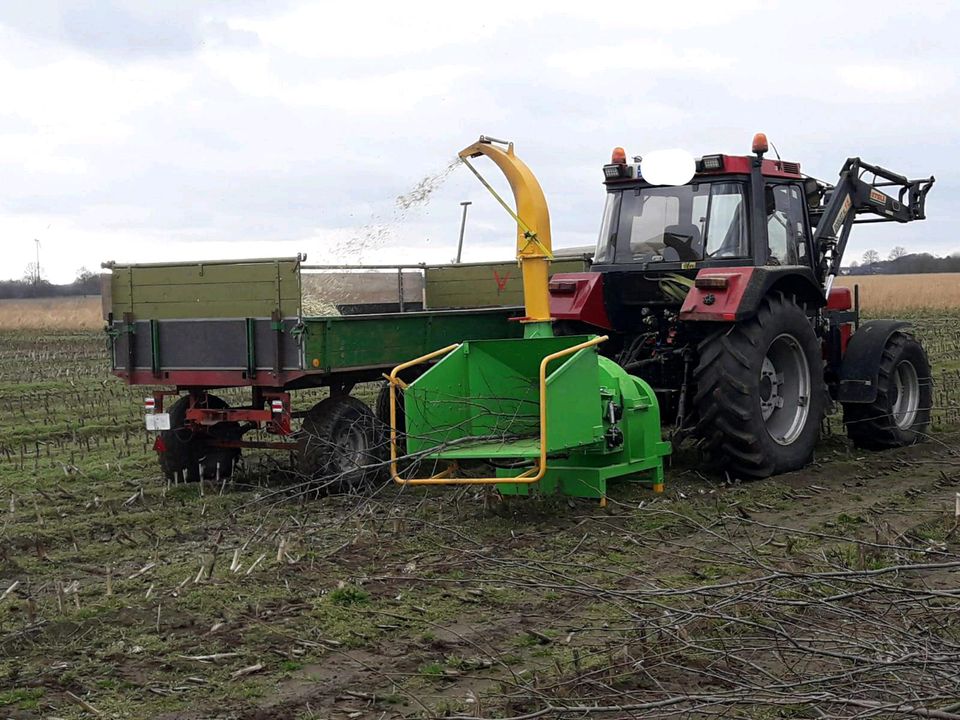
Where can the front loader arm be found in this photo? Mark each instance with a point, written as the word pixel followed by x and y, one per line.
pixel 853 196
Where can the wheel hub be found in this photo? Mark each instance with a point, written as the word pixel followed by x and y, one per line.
pixel 905 395
pixel 784 389
pixel 352 446
pixel 770 384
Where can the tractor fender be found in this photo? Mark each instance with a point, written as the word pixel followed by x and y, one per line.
pixel 579 297
pixel 860 367
pixel 745 289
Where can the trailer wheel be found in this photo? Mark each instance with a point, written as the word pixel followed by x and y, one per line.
pixel 186 450
pixel 342 443
pixel 900 414
pixel 760 392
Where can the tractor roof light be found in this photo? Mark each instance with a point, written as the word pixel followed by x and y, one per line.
pixel 616 171
pixel 618 156
pixel 711 162
pixel 760 145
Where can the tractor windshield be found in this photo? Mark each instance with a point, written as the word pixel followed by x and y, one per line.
pixel 674 224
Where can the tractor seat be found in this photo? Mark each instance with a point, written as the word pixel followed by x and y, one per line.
pixel 686 240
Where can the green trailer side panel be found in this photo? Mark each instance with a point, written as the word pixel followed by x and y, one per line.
pixel 177 291
pixel 370 340
pixel 491 285
pixel 208 309
pixel 214 292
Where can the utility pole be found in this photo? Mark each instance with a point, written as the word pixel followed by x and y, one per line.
pixel 36 272
pixel 463 224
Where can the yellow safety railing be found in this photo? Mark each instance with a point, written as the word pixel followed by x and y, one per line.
pixel 533 475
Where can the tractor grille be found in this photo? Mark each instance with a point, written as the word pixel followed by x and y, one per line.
pixel 790 167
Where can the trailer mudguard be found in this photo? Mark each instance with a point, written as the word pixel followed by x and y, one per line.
pixel 745 288
pixel 860 368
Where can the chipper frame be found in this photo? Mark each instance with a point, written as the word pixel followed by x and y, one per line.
pixel 549 413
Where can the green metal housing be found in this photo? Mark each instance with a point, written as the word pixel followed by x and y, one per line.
pixel 482 402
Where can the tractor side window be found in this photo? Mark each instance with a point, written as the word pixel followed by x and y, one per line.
pixel 606 243
pixel 726 222
pixel 786 237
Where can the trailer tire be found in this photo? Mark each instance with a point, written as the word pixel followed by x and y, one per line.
pixel 760 392
pixel 900 414
pixel 186 450
pixel 342 444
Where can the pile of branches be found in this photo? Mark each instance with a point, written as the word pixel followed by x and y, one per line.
pixel 804 624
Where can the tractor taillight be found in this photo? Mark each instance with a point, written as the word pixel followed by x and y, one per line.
pixel 562 287
pixel 711 282
pixel 276 406
pixel 149 404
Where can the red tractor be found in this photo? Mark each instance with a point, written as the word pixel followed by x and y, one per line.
pixel 719 293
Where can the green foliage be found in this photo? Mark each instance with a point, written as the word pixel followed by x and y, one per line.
pixel 348 595
pixel 23 698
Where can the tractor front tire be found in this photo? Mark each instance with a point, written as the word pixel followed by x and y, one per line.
pixel 342 444
pixel 760 393
pixel 900 415
pixel 186 450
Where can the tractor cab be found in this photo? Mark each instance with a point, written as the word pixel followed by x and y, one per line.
pixel 656 238
pixel 708 221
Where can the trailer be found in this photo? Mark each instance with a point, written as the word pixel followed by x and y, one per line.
pixel 185 330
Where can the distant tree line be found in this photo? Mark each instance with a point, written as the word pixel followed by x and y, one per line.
pixel 34 285
pixel 900 262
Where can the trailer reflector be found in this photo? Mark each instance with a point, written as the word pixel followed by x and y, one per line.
pixel 149 404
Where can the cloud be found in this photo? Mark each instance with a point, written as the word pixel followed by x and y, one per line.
pixel 141 131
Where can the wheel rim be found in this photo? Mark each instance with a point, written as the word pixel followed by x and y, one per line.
pixel 785 389
pixel 906 400
pixel 351 445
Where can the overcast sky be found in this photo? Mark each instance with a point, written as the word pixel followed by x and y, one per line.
pixel 147 131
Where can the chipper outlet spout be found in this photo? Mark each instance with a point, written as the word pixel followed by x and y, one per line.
pixel 533 223
pixel 549 413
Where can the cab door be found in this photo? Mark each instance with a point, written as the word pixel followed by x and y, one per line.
pixel 788 230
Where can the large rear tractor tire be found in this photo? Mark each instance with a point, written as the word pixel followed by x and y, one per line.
pixel 900 415
pixel 760 392
pixel 187 450
pixel 342 444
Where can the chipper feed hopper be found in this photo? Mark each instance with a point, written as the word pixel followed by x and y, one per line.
pixel 549 413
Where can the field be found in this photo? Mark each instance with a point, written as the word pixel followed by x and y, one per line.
pixel 67 313
pixel 929 293
pixel 830 592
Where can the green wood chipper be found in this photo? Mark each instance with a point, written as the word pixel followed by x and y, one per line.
pixel 547 412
